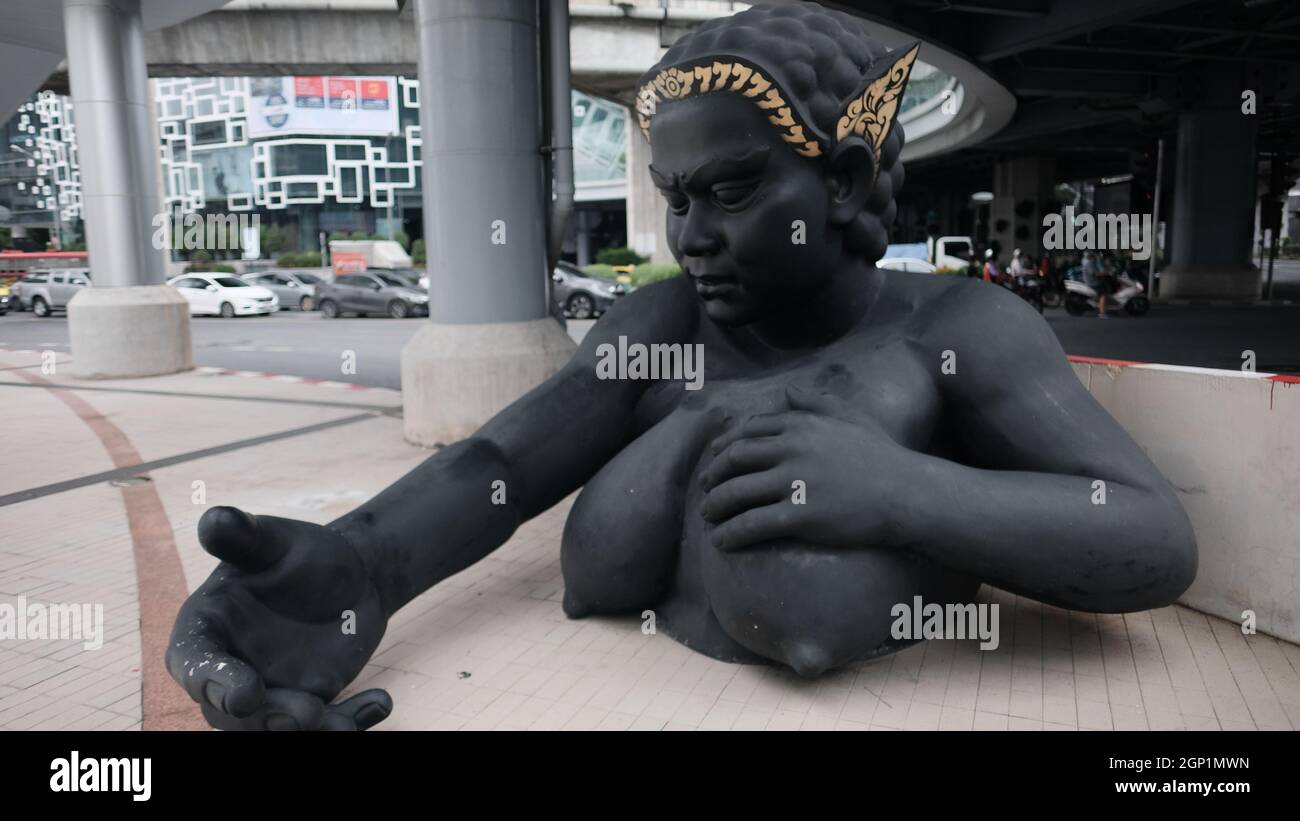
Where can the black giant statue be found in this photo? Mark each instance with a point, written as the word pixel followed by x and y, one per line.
pixel 859 436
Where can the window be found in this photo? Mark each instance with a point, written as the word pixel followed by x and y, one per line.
pixel 36 279
pixel 191 282
pixel 296 158
pixel 57 279
pixel 76 280
pixel 308 279
pixel 230 282
pixel 351 282
pixel 208 133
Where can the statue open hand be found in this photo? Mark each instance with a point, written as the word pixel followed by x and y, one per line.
pixel 818 473
pixel 287 619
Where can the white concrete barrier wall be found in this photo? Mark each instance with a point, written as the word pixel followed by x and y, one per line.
pixel 1229 442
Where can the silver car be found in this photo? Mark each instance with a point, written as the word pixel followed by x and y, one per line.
pixel 373 292
pixel 295 289
pixel 43 292
pixel 581 296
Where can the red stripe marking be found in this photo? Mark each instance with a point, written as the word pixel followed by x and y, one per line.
pixel 1094 360
pixel 160 579
pixel 1281 377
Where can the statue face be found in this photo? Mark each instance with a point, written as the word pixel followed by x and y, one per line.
pixel 747 217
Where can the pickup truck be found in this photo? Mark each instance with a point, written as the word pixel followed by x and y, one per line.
pixel 43 292
pixel 942 252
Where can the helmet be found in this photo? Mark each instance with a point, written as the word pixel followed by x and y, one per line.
pixel 988 254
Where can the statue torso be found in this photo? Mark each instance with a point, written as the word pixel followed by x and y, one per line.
pixel 635 539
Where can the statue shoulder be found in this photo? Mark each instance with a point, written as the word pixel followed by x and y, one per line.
pixel 955 310
pixel 665 311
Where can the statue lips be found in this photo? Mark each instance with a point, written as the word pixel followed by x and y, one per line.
pixel 713 286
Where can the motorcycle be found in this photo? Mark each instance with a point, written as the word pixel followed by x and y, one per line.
pixel 1080 298
pixel 1028 287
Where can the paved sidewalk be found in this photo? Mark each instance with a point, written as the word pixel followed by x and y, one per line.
pixel 103 483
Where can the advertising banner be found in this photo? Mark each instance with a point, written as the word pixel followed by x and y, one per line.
pixel 335 106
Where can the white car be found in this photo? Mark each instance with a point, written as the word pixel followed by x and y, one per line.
pixel 908 264
pixel 224 295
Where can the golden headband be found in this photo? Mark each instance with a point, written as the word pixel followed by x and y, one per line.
pixel 868 113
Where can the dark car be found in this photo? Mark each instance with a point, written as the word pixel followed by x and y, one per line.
pixel 582 296
pixel 371 293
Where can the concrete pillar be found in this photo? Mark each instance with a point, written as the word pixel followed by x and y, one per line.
pixel 490 338
pixel 585 221
pixel 647 220
pixel 1022 188
pixel 129 323
pixel 1214 208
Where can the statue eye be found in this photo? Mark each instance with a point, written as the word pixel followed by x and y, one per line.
pixel 734 196
pixel 677 201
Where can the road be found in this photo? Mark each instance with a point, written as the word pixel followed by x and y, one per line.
pixel 311 346
pixel 290 342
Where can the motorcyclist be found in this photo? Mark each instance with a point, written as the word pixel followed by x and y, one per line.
pixel 1095 279
pixel 992 268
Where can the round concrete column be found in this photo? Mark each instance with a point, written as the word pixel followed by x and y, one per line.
pixel 647 213
pixel 490 338
pixel 1214 208
pixel 129 323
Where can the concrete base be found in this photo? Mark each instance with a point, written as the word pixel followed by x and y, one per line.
pixel 456 377
pixel 1226 441
pixel 118 333
pixel 1177 282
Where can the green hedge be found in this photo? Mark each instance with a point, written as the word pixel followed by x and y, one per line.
pixel 618 256
pixel 600 271
pixel 307 259
pixel 655 272
pixel 643 274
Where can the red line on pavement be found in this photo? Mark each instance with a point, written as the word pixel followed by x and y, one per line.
pixel 1093 360
pixel 160 579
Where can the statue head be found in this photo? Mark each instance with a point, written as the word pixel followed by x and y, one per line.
pixel 773 139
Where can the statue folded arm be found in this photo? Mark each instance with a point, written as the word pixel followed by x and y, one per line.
pixel 1058 503
pixel 1046 496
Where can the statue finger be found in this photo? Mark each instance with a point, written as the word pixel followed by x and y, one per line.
pixel 360 712
pixel 763 424
pixel 283 710
pixel 756 526
pixel 741 457
pixel 238 538
pixel 735 496
pixel 210 675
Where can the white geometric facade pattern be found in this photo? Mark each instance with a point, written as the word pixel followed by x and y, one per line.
pixel 207 150
pixel 50 144
pixel 201 115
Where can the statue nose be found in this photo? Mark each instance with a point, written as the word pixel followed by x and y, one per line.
pixel 697 239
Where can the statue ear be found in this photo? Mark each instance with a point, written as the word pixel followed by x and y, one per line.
pixel 850 172
pixel 869 113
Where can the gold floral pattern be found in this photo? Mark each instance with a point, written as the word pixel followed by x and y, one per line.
pixel 868 115
pixel 733 75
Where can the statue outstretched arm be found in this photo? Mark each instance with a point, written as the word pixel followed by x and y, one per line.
pixel 295 609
